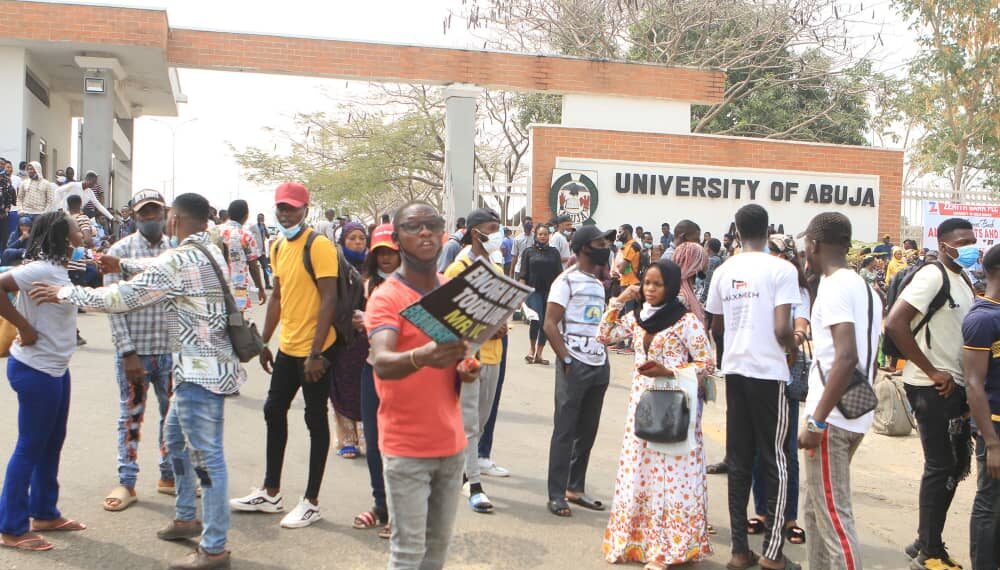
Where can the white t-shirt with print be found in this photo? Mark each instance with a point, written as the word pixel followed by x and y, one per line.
pixel 582 296
pixel 559 242
pixel 745 290
pixel 842 298
pixel 945 352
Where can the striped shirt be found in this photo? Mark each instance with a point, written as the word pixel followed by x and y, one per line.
pixel 582 296
pixel 145 331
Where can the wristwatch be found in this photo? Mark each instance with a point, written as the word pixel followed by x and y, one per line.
pixel 814 425
pixel 567 360
pixel 315 356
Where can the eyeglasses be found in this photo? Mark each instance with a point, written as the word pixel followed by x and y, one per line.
pixel 434 225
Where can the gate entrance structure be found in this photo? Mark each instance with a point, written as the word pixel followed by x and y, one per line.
pixel 623 114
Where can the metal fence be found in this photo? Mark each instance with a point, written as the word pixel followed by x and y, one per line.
pixel 515 195
pixel 912 208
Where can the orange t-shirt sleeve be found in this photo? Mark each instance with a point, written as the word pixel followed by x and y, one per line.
pixel 382 312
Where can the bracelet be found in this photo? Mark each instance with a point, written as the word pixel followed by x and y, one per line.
pixel 413 359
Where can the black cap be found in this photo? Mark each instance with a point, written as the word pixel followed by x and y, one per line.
pixel 586 234
pixel 481 216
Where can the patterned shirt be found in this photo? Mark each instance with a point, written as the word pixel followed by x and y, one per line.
pixel 184 281
pixel 145 331
pixel 242 249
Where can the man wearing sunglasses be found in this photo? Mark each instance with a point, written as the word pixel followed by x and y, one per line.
pixel 420 419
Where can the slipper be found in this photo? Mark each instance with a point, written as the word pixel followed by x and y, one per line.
pixel 68 525
pixel 33 544
pixel 756 525
pixel 385 532
pixel 348 452
pixel 795 535
pixel 587 502
pixel 710 529
pixel 367 520
pixel 529 359
pixel 752 561
pixel 560 508
pixel 124 498
pixel 789 565
pixel 172 490
pixel 480 503
pixel 543 362
pixel 719 468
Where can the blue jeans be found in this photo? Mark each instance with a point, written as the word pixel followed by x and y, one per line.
pixel 193 435
pixel 31 487
pixel 984 528
pixel 486 439
pixel 373 455
pixel 132 410
pixel 792 453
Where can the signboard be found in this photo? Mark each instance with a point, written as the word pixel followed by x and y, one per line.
pixel 650 194
pixel 574 194
pixel 985 221
pixel 471 306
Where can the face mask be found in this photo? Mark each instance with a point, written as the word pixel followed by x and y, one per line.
pixel 619 244
pixel 968 255
pixel 78 253
pixel 383 274
pixel 414 264
pixel 567 233
pixel 290 233
pixel 493 242
pixel 599 256
pixel 174 242
pixel 151 229
pixel 647 246
pixel 527 229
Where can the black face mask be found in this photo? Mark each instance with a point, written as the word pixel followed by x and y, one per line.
pixel 599 256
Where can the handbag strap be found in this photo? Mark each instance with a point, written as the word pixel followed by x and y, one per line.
pixel 871 320
pixel 231 306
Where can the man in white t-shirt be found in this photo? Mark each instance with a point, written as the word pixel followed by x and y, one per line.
pixel 846 322
pixel 572 317
pixel 562 226
pixel 750 298
pixel 325 227
pixel 934 380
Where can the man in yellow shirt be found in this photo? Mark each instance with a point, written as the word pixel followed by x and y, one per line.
pixel 304 302
pixel 482 239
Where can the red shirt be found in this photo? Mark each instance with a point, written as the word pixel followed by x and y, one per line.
pixel 419 415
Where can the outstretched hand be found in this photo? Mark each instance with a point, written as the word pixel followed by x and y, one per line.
pixel 44 293
pixel 109 264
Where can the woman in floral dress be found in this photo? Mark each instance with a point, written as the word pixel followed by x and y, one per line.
pixel 661 500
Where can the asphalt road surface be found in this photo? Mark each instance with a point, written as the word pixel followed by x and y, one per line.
pixel 520 534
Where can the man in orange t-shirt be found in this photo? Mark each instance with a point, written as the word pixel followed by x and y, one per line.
pixel 421 434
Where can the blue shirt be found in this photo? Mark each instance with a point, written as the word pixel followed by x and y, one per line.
pixel 506 247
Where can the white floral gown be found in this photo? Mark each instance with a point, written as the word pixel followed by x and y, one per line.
pixel 661 501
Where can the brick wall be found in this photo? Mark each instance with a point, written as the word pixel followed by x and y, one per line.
pixel 405 64
pixel 549 142
pixel 43 21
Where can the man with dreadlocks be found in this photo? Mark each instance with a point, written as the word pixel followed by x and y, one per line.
pixel 846 323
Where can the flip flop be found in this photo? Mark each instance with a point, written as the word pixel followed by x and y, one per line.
pixel 367 520
pixel 560 508
pixel 172 490
pixel 349 452
pixel 587 502
pixel 385 532
pixel 543 362
pixel 124 498
pixel 753 560
pixel 68 525
pixel 529 359
pixel 795 535
pixel 756 525
pixel 40 544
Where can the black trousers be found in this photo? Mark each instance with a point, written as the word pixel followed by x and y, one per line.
pixel 579 400
pixel 984 527
pixel 265 270
pixel 945 437
pixel 286 379
pixel 757 422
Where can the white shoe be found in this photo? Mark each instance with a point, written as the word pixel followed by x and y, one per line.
pixel 488 467
pixel 303 515
pixel 258 501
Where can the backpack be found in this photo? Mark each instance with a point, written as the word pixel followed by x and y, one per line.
pixel 350 290
pixel 892 415
pixel 899 282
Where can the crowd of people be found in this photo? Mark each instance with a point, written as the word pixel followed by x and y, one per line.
pixel 790 324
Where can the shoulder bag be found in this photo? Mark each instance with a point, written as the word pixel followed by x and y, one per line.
pixel 663 415
pixel 859 398
pixel 247 342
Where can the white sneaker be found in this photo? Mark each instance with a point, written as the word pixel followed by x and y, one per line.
pixel 303 515
pixel 258 501
pixel 488 467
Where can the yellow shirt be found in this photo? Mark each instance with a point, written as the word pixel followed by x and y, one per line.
pixel 299 295
pixel 491 352
pixel 631 257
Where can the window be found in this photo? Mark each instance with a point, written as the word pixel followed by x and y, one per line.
pixel 37 88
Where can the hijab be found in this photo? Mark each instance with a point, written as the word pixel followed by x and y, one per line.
pixel 895 265
pixel 654 319
pixel 691 259
pixel 355 258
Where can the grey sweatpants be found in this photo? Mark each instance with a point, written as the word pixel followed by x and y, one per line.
pixel 422 496
pixel 477 403
pixel 833 536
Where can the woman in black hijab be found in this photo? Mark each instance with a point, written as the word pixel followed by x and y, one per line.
pixel 661 493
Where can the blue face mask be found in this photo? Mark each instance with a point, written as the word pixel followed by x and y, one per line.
pixel 290 233
pixel 968 255
pixel 78 253
pixel 174 242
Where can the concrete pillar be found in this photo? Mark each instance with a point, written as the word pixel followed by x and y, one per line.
pixel 460 148
pixel 98 128
pixel 123 169
pixel 12 127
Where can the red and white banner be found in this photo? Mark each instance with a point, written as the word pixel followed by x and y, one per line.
pixel 985 221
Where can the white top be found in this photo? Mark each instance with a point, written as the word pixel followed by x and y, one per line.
pixel 558 241
pixel 945 352
pixel 745 290
pixel 86 195
pixel 55 322
pixel 842 298
pixel 325 228
pixel 582 296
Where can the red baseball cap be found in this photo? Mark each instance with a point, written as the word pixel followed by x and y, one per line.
pixel 382 237
pixel 291 193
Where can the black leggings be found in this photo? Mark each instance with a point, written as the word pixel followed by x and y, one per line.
pixel 288 376
pixel 537 302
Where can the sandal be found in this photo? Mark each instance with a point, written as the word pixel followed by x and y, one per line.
pixel 789 565
pixel 542 361
pixel 349 452
pixel 560 508
pixel 480 503
pixel 719 468
pixel 795 534
pixel 756 525
pixel 31 544
pixel 368 519
pixel 752 560
pixel 586 502
pixel 172 489
pixel 385 532
pixel 529 359
pixel 123 496
pixel 67 525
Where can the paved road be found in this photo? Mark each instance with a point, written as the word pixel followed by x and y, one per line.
pixel 521 534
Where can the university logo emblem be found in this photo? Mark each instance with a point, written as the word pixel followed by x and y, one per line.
pixel 574 194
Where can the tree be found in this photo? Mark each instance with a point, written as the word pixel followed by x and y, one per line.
pixel 952 89
pixel 792 70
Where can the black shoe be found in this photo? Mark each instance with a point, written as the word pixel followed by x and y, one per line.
pixel 719 468
pixel 912 550
pixel 937 561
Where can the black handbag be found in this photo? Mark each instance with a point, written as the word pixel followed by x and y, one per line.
pixel 247 342
pixel 663 415
pixel 859 398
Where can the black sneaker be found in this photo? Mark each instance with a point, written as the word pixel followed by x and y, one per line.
pixel 912 550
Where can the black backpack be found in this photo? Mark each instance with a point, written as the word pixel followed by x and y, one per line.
pixel 899 282
pixel 350 291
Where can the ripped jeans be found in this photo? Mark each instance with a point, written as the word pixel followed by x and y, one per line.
pixel 193 435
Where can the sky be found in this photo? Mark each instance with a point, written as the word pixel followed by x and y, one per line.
pixel 235 108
